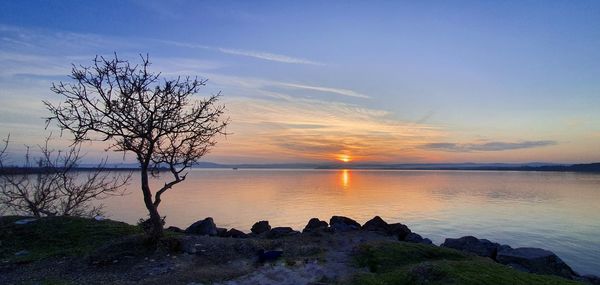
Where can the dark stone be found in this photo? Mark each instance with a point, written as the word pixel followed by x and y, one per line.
pixel 590 279
pixel 279 232
pixel 269 255
pixel 416 238
pixel 260 227
pixel 236 234
pixel 481 247
pixel 343 224
pixel 398 229
pixel 174 229
pixel 315 224
pixel 222 232
pixel 535 260
pixel 376 224
pixel 203 227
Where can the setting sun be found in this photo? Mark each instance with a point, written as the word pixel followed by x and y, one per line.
pixel 344 158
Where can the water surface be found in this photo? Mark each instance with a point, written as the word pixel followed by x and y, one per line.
pixel 552 210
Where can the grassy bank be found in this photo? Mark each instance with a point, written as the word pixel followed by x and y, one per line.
pixel 56 236
pixel 409 263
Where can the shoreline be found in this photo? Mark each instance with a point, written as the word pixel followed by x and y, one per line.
pixel 322 251
pixel 572 168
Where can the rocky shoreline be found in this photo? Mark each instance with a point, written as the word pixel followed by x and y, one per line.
pixel 70 250
pixel 525 259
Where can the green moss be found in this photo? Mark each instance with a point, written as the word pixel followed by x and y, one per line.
pixel 57 236
pixel 407 263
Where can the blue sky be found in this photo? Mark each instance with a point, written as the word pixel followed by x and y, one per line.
pixel 386 81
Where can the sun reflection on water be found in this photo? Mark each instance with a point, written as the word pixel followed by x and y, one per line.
pixel 345 178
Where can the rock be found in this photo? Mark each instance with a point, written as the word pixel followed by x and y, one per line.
pixel 398 229
pixel 315 224
pixel 203 227
pixel 416 238
pixel 260 227
pixel 222 232
pixel 269 255
pixel 481 247
pixel 376 224
pixel 279 232
pixel 25 221
pixel 343 224
pixel 174 229
pixel 535 260
pixel 590 279
pixel 236 234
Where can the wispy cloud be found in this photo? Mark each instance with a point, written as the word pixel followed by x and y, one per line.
pixel 248 53
pixel 486 146
pixel 268 56
pixel 339 91
pixel 302 129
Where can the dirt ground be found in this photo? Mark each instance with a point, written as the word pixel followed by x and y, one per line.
pixel 316 258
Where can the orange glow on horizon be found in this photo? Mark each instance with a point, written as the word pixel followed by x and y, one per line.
pixel 344 158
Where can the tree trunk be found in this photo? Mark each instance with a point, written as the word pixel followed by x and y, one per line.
pixel 156 231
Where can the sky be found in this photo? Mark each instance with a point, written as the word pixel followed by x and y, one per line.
pixel 324 81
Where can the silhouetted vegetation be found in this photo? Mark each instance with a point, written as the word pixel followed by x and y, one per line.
pixel 137 112
pixel 52 185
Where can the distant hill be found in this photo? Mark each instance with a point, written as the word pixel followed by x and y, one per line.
pixel 534 166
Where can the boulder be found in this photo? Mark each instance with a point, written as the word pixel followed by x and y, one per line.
pixel 534 260
pixel 590 279
pixel 236 234
pixel 279 232
pixel 376 224
pixel 222 232
pixel 174 229
pixel 315 224
pixel 203 227
pixel 398 229
pixel 416 238
pixel 260 227
pixel 481 247
pixel 343 224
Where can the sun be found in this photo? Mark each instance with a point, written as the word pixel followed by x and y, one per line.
pixel 344 158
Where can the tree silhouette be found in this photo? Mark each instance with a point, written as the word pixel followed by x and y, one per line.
pixel 136 111
pixel 54 186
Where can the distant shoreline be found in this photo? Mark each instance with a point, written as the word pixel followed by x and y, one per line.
pixel 580 168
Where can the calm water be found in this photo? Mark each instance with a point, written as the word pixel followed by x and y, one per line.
pixel 557 211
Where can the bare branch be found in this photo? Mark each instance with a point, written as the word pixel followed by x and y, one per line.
pixel 55 186
pixel 158 120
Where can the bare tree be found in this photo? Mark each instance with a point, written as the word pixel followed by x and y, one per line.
pixel 156 119
pixel 54 186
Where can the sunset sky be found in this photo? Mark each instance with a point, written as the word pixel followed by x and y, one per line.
pixel 308 81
